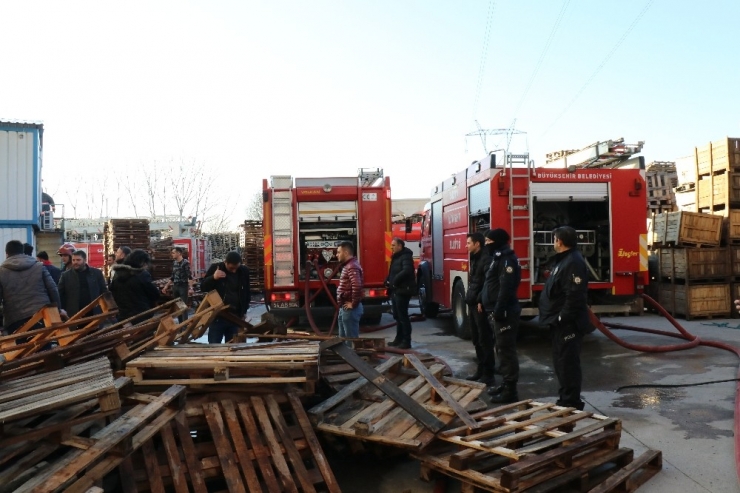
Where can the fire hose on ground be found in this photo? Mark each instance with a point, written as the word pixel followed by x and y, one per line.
pixel 694 341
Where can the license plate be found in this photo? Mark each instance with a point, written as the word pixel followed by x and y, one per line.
pixel 285 304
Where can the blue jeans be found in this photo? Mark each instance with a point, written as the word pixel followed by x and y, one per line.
pixel 349 322
pixel 221 329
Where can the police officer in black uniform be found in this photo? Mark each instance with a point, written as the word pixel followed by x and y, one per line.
pixel 480 332
pixel 502 306
pixel 564 310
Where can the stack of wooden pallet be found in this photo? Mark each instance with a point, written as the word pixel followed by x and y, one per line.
pixel 252 243
pixel 133 233
pixel 661 181
pixel 160 252
pixel 694 270
pixel 223 243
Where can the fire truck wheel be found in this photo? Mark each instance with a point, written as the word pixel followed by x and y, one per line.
pixel 460 311
pixel 427 308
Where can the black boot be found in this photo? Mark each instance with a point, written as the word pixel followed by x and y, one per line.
pixel 496 390
pixel 399 336
pixel 474 377
pixel 404 345
pixel 507 395
pixel 395 342
pixel 488 379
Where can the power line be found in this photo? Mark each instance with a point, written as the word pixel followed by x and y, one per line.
pixel 484 56
pixel 537 67
pixel 601 66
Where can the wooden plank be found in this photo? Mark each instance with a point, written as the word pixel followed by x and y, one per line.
pixel 223 447
pixel 442 391
pixel 627 479
pixel 389 388
pixel 318 454
pixel 173 459
pixel 240 446
pixel 126 473
pixel 272 443
pixel 319 410
pixel 579 474
pixel 152 468
pixel 261 452
pixel 195 471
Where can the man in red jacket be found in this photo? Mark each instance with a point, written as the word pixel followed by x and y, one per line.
pixel 349 292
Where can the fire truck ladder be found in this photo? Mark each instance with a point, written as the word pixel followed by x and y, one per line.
pixel 518 168
pixel 282 214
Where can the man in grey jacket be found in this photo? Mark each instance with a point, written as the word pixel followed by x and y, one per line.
pixel 25 287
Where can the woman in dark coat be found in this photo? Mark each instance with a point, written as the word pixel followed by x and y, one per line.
pixel 132 286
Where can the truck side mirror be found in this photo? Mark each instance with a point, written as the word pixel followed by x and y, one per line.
pixel 408 225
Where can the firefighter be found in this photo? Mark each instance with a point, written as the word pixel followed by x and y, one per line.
pixel 502 308
pixel 480 331
pixel 400 283
pixel 564 311
pixel 65 252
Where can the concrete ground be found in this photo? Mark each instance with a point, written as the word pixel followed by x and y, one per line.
pixel 692 426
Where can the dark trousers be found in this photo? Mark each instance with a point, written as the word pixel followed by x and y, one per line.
pixel 181 291
pixel 566 360
pixel 505 333
pixel 401 315
pixel 221 330
pixel 482 336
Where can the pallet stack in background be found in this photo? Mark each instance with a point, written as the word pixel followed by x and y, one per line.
pixel 133 233
pixel 693 269
pixel 160 251
pixel 661 181
pixel 223 243
pixel 252 243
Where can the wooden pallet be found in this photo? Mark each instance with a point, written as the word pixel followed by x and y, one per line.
pixel 399 403
pixel 253 444
pixel 290 362
pixel 88 459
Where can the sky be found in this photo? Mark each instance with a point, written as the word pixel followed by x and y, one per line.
pixel 251 89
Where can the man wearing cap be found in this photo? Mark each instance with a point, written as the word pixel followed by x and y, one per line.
pixel 564 311
pixel 480 332
pixel 502 307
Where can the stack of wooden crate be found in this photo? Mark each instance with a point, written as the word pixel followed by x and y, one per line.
pixel 694 271
pixel 222 244
pixel 661 180
pixel 133 233
pixel 252 242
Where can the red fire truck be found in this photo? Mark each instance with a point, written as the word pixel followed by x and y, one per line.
pixel 606 206
pixel 305 219
pixel 409 230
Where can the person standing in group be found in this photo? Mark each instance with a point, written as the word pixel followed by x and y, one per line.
pixel 28 249
pixel 564 311
pixel 118 257
pixel 65 253
pixel 231 279
pixel 132 286
pixel 349 292
pixel 25 287
pixel 54 271
pixel 81 285
pixel 480 332
pixel 180 278
pixel 401 285
pixel 502 307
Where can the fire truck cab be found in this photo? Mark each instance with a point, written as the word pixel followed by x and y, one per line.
pixel 606 206
pixel 305 219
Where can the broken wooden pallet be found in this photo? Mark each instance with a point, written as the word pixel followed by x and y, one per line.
pixel 400 403
pixel 36 395
pixel 289 362
pixel 256 444
pixel 112 442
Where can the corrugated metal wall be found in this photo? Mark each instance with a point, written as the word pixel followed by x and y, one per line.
pixel 20 176
pixel 24 234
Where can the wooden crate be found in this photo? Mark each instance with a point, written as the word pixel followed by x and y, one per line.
pixel 735 261
pixel 718 190
pixel 657 236
pixel 731 226
pixel 694 263
pixel 660 185
pixel 698 300
pixel 684 228
pixel 686 169
pixel 718 156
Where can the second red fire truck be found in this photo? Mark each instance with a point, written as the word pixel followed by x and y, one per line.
pixel 607 207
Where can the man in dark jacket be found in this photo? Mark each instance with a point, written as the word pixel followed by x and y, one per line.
pixel 231 280
pixel 564 310
pixel 81 285
pixel 502 306
pixel 480 331
pixel 401 284
pixel 25 287
pixel 54 271
pixel 132 286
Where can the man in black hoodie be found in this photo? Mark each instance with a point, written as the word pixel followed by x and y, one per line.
pixel 401 284
pixel 564 310
pixel 502 306
pixel 480 331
